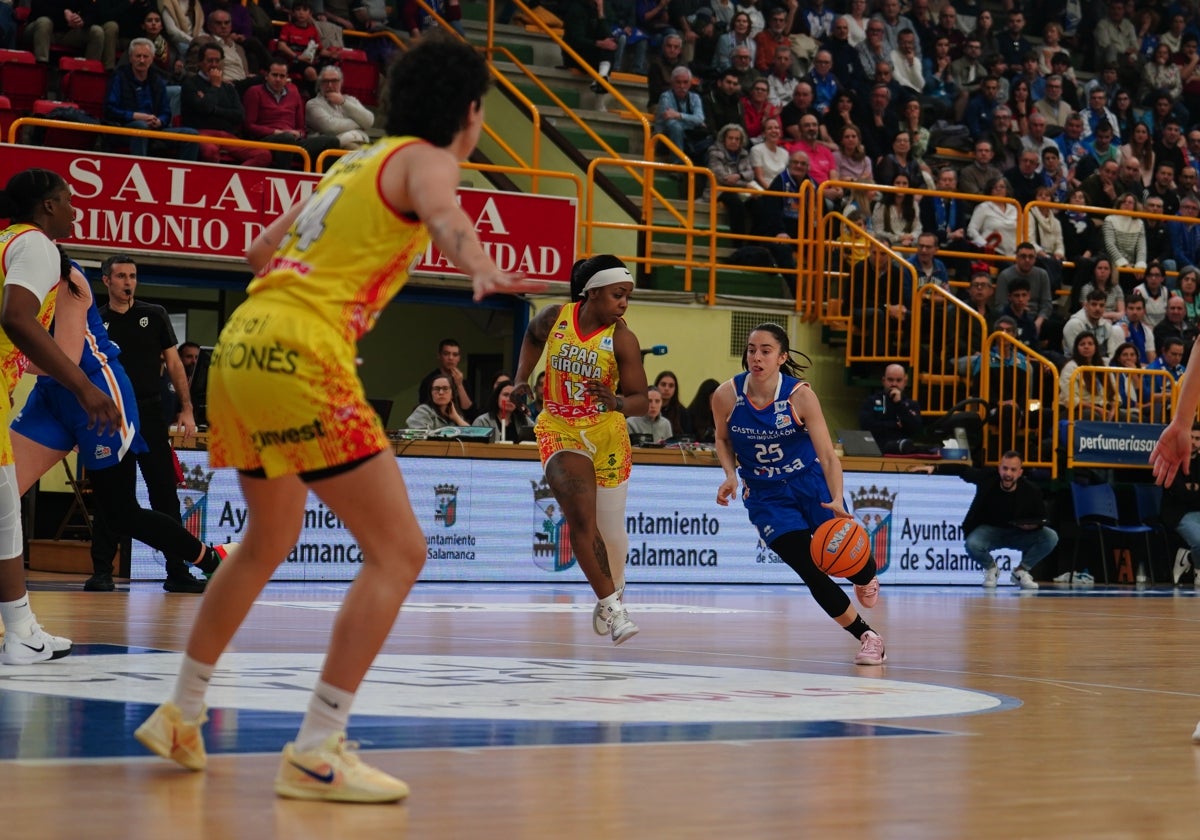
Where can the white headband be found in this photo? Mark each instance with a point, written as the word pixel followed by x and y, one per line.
pixel 607 277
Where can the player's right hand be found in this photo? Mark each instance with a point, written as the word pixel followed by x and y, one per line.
pixel 102 412
pixel 504 283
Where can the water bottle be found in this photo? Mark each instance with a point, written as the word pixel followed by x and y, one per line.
pixel 960 440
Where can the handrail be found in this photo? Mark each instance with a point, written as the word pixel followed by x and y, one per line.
pixel 1034 400
pixel 14 131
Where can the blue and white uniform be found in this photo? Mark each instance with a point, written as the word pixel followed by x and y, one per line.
pixel 53 417
pixel 778 462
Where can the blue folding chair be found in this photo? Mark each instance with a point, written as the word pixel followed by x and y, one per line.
pixel 1096 509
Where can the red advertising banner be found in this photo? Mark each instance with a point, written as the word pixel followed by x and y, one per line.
pixel 212 212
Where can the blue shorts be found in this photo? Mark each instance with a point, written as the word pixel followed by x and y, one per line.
pixel 53 417
pixel 780 507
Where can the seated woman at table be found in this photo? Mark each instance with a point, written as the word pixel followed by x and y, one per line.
pixel 510 421
pixel 439 412
pixel 653 424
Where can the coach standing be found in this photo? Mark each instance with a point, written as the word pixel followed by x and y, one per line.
pixel 147 341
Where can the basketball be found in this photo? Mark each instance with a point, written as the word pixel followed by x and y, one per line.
pixel 840 547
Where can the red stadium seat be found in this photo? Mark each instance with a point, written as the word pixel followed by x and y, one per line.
pixel 361 77
pixel 62 138
pixel 7 117
pixel 84 81
pixel 22 79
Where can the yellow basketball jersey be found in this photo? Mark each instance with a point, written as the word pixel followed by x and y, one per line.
pixel 12 360
pixel 573 359
pixel 347 255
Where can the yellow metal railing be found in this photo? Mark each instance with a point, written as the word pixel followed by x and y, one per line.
pixel 1021 387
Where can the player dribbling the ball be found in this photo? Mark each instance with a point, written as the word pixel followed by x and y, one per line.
pixel 771 433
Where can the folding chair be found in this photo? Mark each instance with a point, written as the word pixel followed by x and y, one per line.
pixel 1096 509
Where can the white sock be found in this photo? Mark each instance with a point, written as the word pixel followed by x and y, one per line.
pixel 17 616
pixel 328 712
pixel 191 686
pixel 612 600
pixel 604 68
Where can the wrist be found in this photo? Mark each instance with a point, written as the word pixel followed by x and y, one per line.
pixel 620 405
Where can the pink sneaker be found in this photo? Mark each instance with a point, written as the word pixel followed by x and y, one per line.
pixel 867 595
pixel 871 652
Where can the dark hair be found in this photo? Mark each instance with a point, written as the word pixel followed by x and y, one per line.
pixel 25 191
pixel 1075 348
pixel 432 87
pixel 448 342
pixel 791 366
pixel 188 344
pixel 583 270
pixel 1096 294
pixel 1169 342
pixel 1114 359
pixel 429 397
pixel 106 266
pixel 493 406
pixel 64 272
pixel 700 411
pixel 211 47
pixel 674 411
pixel 1019 284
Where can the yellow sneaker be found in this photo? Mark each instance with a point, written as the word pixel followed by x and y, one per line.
pixel 166 733
pixel 333 772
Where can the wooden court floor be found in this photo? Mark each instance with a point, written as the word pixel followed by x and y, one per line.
pixel 737 712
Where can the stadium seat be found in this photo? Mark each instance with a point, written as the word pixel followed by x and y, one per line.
pixel 7 117
pixel 62 138
pixel 84 81
pixel 361 77
pixel 22 79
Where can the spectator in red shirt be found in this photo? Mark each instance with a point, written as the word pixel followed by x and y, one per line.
pixel 275 114
pixel 300 43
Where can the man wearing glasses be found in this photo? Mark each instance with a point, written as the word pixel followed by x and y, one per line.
pixel 235 65
pixel 333 112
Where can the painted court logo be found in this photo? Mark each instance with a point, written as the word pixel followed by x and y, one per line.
pixel 874 506
pixel 551 537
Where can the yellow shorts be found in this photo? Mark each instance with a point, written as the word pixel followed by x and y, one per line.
pixel 6 448
pixel 607 442
pixel 284 396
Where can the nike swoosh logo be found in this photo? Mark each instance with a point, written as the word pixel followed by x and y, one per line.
pixel 323 778
pixel 34 649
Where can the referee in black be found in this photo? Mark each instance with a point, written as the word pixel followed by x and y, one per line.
pixel 147 341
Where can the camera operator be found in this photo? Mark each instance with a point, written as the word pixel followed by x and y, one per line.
pixel 893 418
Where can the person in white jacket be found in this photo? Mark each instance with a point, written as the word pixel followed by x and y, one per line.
pixel 993 226
pixel 333 112
pixel 1125 236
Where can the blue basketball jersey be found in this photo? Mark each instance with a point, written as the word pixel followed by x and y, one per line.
pixel 98 349
pixel 770 441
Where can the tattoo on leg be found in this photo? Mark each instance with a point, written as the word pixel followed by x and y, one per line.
pixel 601 552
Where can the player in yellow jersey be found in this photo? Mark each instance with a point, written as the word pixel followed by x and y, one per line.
pixel 594 377
pixel 286 407
pixel 37 202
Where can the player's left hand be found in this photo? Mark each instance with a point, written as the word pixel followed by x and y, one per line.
pixel 504 283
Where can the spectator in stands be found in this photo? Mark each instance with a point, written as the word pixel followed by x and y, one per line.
pixel 773 37
pixel 1186 288
pixel 893 23
pixel 850 160
pixel 878 121
pixel 757 109
pixel 1140 147
pixel 168 61
pixel 275 114
pixel 975 176
pixel 825 84
pixel 1005 139
pixel 729 161
pixel 1018 310
pixel 1083 396
pixel 979 295
pixel 993 225
pixel 1046 236
pixel 1053 107
pixel 737 36
pixel 439 410
pixel 1125 236
pixel 778 216
pixel 667 384
pixel 653 424
pixel 912 121
pixel 1100 275
pixel 1101 149
pixel 981 106
pixel 1024 178
pixel 944 96
pixel 895 219
pixel 300 43
pixel 723 102
pixel 890 415
pixel 1100 187
pixel 1161 76
pixel 1055 175
pixel 780 79
pixel 73 24
pixel 1156 392
pixel 1117 42
pixel 928 267
pixel 906 63
pixel 968 69
pixel 1171 148
pixel 1036 138
pixel 1154 294
pixel 680 116
pixel 235 67
pixel 822 166
pixel 213 107
pixel 184 20
pixel 700 413
pixel 589 32
pixel 509 421
pixel 1163 188
pixel 769 158
pixel 335 113
pixel 790 114
pixel 129 16
pixel 1090 320
pixel 1185 235
pixel 871 52
pixel 670 57
pixel 744 67
pixel 1138 332
pixel 1037 280
pixel 1013 46
pixel 1186 183
pixel 628 35
pixel 137 98
pixel 1007 512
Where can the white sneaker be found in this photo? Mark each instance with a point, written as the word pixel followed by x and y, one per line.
pixel 1183 562
pixel 1020 577
pixel 618 623
pixel 334 773
pixel 990 577
pixel 600 618
pixel 38 646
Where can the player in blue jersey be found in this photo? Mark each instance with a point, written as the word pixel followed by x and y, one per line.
pixel 771 433
pixel 52 423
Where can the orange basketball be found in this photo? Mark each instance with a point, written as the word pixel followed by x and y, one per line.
pixel 840 547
